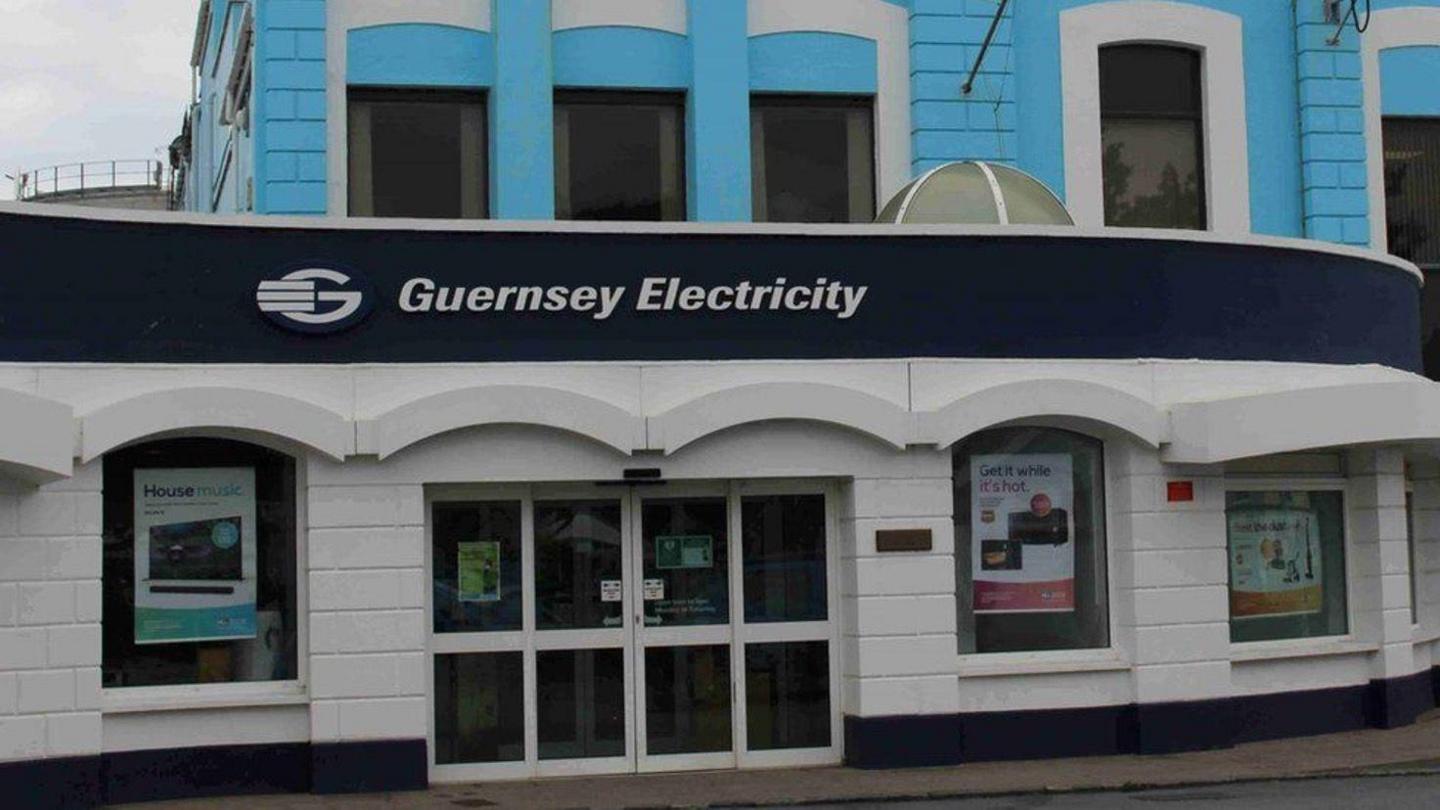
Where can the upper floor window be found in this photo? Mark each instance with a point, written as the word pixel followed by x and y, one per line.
pixel 417 154
pixel 1152 133
pixel 812 159
pixel 619 156
pixel 1412 214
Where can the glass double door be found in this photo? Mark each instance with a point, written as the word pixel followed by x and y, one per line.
pixel 593 630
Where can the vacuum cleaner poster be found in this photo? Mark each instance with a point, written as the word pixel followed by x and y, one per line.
pixel 194 554
pixel 1274 563
pixel 1023 554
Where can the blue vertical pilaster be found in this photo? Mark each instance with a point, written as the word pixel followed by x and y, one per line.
pixel 717 146
pixel 289 107
pixel 1332 129
pixel 946 124
pixel 522 165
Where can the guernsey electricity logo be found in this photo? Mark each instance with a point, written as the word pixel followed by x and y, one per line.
pixel 315 300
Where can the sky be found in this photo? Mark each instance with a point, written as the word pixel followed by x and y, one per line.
pixel 88 80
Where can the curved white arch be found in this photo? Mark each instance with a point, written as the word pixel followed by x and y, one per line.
pixel 501 404
pixel 888 25
pixel 1030 399
pixel 38 442
pixel 661 15
pixel 1389 28
pixel 216 408
pixel 817 402
pixel 1287 421
pixel 1219 36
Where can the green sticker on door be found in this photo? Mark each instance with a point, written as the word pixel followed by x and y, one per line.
pixel 479 565
pixel 684 551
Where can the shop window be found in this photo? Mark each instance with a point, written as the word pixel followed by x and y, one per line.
pixel 476 567
pixel 1152 136
pixel 417 153
pixel 812 159
pixel 619 156
pixel 199 577
pixel 784 539
pixel 1030 541
pixel 1412 215
pixel 1286 563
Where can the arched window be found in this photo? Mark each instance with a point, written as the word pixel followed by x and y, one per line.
pixel 1152 136
pixel 1030 557
pixel 200 572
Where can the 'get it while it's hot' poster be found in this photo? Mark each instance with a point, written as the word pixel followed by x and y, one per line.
pixel 1022 528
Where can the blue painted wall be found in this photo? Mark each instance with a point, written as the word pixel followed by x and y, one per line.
pixel 419 55
pixel 1408 81
pixel 653 60
pixel 947 123
pixel 290 111
pixel 810 62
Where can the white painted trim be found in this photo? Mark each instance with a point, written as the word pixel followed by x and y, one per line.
pixel 189 409
pixel 1287 421
pixel 660 15
pixel 400 226
pixel 1219 37
pixel 888 25
pixel 500 404
pixel 1032 399
pixel 39 435
pixel 344 16
pixel 744 404
pixel 1389 28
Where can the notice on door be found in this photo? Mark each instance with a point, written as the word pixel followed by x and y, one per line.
pixel 479 571
pixel 1022 524
pixel 610 590
pixel 684 551
pixel 653 589
pixel 1274 563
pixel 195 571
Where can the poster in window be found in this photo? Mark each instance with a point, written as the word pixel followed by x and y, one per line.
pixel 1022 518
pixel 1274 563
pixel 195 569
pixel 479 567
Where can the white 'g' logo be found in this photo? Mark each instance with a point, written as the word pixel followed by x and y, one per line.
pixel 311 300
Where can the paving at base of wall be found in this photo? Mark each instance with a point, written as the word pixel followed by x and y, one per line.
pixel 1414 748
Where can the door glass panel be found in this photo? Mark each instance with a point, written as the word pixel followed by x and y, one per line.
pixel 581 703
pixel 787 695
pixel 687 699
pixel 578 581
pixel 686 563
pixel 784 541
pixel 479 708
pixel 477 567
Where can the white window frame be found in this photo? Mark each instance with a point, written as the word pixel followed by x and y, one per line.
pixel 1346 642
pixel 1219 37
pixel 1389 28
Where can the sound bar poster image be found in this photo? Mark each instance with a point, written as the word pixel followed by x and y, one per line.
pixel 195 567
pixel 1023 530
pixel 1274 563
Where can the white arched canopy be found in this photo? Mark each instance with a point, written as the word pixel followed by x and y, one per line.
pixel 37 441
pixel 1032 399
pixel 816 402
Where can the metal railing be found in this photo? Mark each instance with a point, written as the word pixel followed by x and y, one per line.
pixel 104 175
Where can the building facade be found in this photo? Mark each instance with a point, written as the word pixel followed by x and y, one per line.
pixel 554 407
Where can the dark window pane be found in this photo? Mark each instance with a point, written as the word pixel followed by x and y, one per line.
pixel 1412 188
pixel 577 552
pixel 476 567
pixel 1151 125
pixel 1286 563
pixel 581 703
pixel 267 654
pixel 685 554
pixel 417 154
pixel 687 699
pixel 1030 565
pixel 784 537
pixel 812 160
pixel 619 157
pixel 787 695
pixel 479 708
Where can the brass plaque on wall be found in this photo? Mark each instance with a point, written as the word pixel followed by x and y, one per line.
pixel 902 540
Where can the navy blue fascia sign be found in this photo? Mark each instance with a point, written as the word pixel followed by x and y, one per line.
pixel 77 290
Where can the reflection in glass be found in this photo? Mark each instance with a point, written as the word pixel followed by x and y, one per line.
pixel 685 553
pixel 1412 188
pixel 687 699
pixel 619 156
pixel 476 567
pixel 578 579
pixel 581 703
pixel 812 159
pixel 479 708
pixel 787 695
pixel 417 153
pixel 784 542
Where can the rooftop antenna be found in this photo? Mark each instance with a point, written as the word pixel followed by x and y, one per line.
pixel 984 48
pixel 1333 15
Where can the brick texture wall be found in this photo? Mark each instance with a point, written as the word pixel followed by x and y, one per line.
pixel 945 39
pixel 290 58
pixel 1332 129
